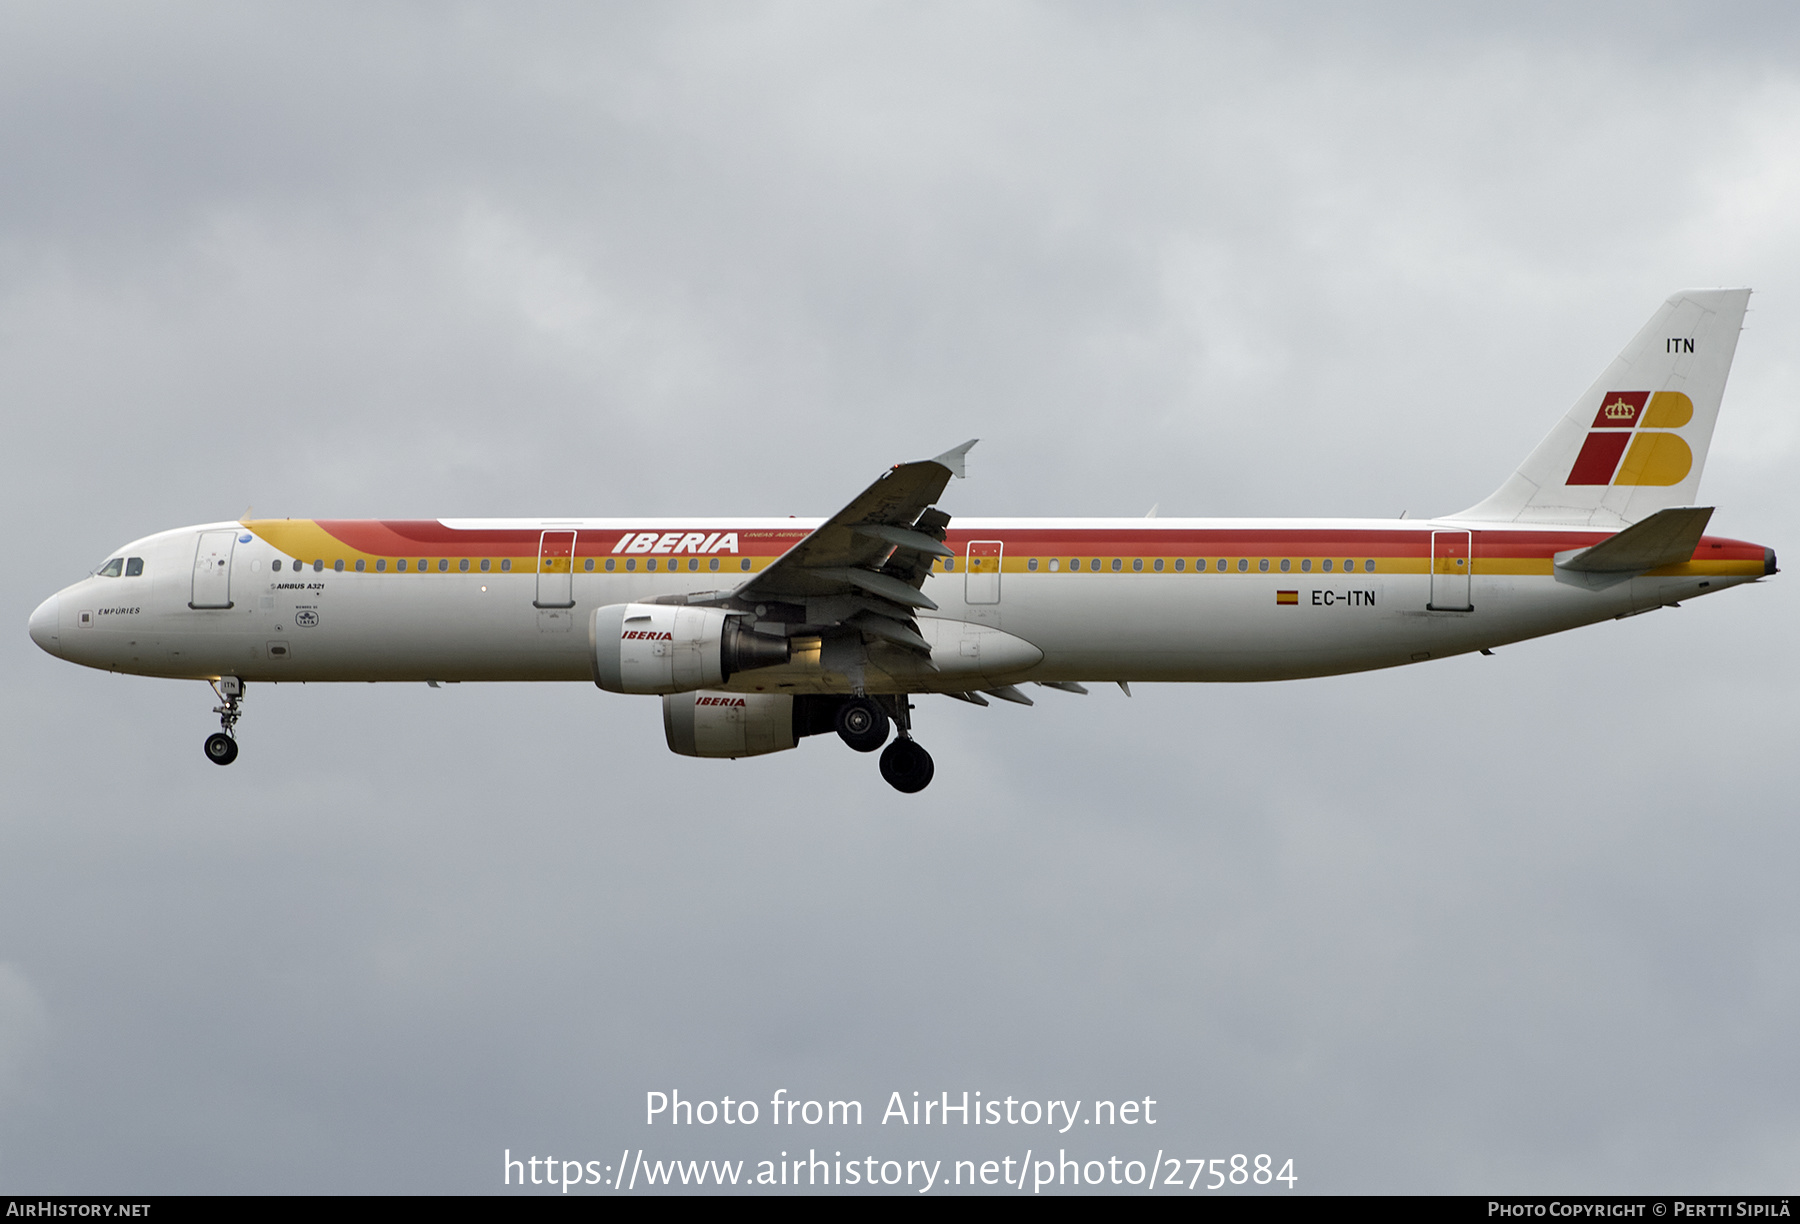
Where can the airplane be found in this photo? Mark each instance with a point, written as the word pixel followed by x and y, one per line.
pixel 759 632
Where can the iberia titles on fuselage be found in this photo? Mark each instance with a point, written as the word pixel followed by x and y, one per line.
pixel 829 624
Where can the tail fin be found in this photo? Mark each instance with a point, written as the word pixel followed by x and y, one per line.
pixel 1636 442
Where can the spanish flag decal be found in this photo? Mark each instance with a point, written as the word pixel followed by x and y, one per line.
pixel 1287 597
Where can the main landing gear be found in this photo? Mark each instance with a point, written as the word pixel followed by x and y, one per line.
pixel 222 745
pixel 864 722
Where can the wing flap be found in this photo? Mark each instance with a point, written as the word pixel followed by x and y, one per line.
pixel 876 583
pixel 903 537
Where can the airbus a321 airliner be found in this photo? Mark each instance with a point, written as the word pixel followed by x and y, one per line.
pixel 759 632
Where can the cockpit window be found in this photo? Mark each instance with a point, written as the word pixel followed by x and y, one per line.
pixel 112 569
pixel 134 567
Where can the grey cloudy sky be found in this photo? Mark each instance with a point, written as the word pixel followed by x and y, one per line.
pixel 1510 923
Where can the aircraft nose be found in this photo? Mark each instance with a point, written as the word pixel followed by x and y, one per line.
pixel 44 625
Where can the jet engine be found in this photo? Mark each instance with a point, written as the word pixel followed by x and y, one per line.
pixel 671 648
pixel 729 724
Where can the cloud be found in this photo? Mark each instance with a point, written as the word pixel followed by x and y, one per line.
pixel 24 1024
pixel 1494 923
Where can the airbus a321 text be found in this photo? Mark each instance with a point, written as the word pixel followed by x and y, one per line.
pixel 756 632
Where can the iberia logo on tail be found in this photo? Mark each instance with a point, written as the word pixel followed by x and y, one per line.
pixel 1631 425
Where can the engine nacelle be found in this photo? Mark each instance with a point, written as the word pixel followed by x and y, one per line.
pixel 728 724
pixel 671 648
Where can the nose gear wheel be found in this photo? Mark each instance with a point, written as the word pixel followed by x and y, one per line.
pixel 222 745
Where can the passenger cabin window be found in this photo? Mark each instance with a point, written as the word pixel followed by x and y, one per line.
pixel 1159 565
pixel 275 565
pixel 744 564
pixel 319 566
pixel 443 564
pixel 505 564
pixel 485 563
pixel 134 567
pixel 1032 565
pixel 360 563
pixel 609 565
pixel 112 569
pixel 338 565
pixel 588 565
pixel 463 566
pixel 381 566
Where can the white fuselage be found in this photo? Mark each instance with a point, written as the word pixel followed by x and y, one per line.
pixel 1394 593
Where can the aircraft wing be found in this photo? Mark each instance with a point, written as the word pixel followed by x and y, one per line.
pixel 876 552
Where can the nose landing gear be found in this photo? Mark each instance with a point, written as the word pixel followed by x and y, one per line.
pixel 222 745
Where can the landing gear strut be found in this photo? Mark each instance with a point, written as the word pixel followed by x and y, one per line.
pixel 864 722
pixel 221 745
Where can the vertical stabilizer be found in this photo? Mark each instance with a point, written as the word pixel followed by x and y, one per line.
pixel 1636 441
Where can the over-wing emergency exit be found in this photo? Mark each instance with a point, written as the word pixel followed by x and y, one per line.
pixel 756 633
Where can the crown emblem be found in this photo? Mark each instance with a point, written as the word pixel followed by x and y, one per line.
pixel 1619 410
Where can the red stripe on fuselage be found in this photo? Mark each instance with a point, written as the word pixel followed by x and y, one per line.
pixel 406 537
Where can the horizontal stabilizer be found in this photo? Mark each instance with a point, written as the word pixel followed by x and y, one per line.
pixel 1667 537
